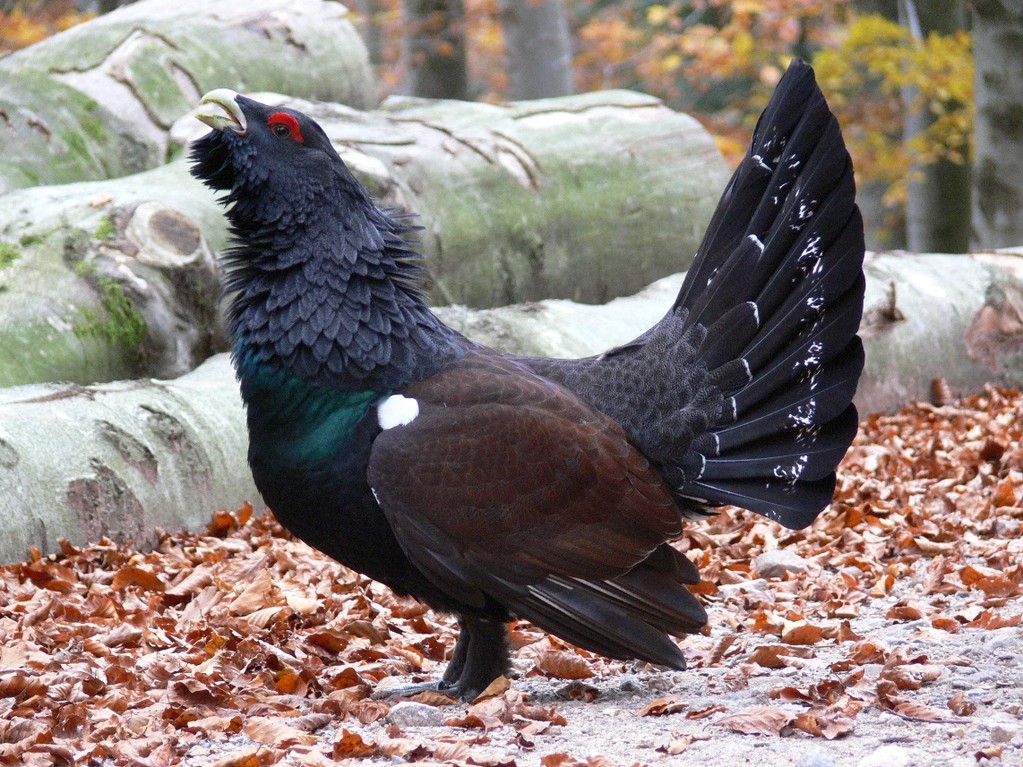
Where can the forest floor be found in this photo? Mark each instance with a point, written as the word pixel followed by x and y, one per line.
pixel 887 634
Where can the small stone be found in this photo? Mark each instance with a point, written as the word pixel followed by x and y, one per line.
pixel 889 756
pixel 727 589
pixel 411 714
pixel 1003 640
pixel 774 564
pixel 1001 734
pixel 1002 727
pixel 815 756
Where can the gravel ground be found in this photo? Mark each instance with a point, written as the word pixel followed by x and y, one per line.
pixel 983 665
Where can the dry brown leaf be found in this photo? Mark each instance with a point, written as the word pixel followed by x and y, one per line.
pixel 824 723
pixel 432 698
pixel 350 745
pixel 471 721
pixel 989 620
pixel 137 576
pixel 369 711
pixel 888 700
pixel 276 732
pixel 776 656
pixel 251 756
pixel 560 759
pixel 800 632
pixel 961 706
pixel 757 720
pixel 676 745
pixel 703 713
pixel 664 706
pixel 562 664
pixel 257 595
pixel 208 725
pixel 496 688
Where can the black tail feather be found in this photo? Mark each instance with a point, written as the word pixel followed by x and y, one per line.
pixel 825 340
pixel 780 277
pixel 814 400
pixel 790 456
pixel 794 506
pixel 796 95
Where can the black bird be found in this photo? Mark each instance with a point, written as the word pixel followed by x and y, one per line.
pixel 493 486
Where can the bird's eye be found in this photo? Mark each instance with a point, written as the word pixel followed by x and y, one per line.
pixel 283 125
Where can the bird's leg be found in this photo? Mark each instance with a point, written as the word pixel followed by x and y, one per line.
pixel 479 657
pixel 458 656
pixel 484 658
pixel 447 684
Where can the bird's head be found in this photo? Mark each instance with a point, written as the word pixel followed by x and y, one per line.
pixel 261 151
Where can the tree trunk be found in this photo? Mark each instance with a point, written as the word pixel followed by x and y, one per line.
pixel 938 205
pixel 885 226
pixel 998 94
pixel 96 101
pixel 368 24
pixel 435 49
pixel 537 48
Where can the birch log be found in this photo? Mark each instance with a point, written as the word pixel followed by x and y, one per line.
pixel 97 100
pixel 120 460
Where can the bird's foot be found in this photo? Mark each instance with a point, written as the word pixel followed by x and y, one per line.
pixel 409 690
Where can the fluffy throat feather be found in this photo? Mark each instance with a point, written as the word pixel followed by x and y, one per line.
pixel 335 300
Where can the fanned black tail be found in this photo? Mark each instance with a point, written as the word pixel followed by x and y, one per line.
pixel 781 269
pixel 742 394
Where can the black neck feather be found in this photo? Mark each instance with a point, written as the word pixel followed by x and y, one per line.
pixel 331 292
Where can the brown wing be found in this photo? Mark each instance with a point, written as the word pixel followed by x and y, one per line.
pixel 506 477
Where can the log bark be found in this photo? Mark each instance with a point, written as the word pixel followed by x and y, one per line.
pixel 96 101
pixel 121 459
pixel 584 197
pixel 107 280
pixel 115 279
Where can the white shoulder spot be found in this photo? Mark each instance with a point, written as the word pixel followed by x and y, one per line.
pixel 397 410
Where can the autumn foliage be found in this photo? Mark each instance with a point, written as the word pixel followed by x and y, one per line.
pixel 20 27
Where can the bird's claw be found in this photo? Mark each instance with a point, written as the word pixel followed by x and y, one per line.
pixel 409 690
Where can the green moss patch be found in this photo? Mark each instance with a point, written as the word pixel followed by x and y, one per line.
pixel 119 322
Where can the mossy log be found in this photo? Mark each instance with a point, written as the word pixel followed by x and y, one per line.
pixel 120 460
pixel 109 279
pixel 97 100
pixel 123 459
pixel 116 279
pixel 584 197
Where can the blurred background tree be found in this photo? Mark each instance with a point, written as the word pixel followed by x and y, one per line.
pixel 933 174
